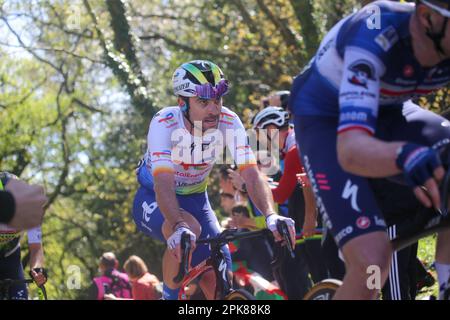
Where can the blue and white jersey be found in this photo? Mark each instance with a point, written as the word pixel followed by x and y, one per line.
pixel 364 63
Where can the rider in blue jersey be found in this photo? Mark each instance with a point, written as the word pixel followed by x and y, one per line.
pixel 354 120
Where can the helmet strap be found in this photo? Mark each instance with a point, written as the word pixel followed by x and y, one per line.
pixel 185 110
pixel 437 37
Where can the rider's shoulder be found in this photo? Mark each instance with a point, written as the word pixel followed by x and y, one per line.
pixel 383 21
pixel 227 116
pixel 167 115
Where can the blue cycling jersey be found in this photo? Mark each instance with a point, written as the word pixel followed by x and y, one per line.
pixel 366 62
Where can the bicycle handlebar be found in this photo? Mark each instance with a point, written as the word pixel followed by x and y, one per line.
pixel 283 230
pixel 223 238
pixel 185 250
pixel 229 235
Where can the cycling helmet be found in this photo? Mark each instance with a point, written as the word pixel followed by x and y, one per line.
pixel 199 78
pixel 271 115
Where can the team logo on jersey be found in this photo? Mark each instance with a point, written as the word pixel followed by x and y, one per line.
pixel 363 222
pixel 387 38
pixel 408 71
pixel 169 119
pixel 226 118
pixel 362 72
pixel 148 209
pixel 165 154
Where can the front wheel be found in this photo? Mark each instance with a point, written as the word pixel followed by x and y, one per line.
pixel 324 290
pixel 239 294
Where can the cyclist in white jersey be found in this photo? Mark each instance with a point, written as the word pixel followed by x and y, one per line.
pixel 184 142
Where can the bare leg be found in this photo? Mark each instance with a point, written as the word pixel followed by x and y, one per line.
pixel 361 254
pixel 170 265
pixel 443 247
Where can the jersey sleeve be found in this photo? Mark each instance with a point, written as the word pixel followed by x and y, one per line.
pixel 288 181
pixel 237 142
pixel 359 90
pixel 159 143
pixel 35 235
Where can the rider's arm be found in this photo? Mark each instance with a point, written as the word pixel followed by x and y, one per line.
pixel 258 189
pixel 288 180
pixel 164 186
pixel 163 170
pixel 36 248
pixel 359 152
pixel 36 255
pixel 310 222
pixel 363 155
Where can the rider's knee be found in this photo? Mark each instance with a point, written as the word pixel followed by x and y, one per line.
pixel 371 261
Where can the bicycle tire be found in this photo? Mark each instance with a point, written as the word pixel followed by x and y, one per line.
pixel 323 290
pixel 239 294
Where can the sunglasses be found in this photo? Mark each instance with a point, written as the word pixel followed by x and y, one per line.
pixel 208 91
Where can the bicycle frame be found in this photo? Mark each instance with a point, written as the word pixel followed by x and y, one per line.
pixel 216 263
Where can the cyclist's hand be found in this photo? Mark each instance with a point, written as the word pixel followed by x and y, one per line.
pixel 422 166
pixel 173 243
pixel 39 276
pixel 30 201
pixel 271 222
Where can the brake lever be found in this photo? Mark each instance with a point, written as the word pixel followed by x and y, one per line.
pixel 185 245
pixel 284 232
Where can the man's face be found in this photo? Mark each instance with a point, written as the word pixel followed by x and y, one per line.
pixel 227 202
pixel 226 185
pixel 275 100
pixel 275 135
pixel 205 110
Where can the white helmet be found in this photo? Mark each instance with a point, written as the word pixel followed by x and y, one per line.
pixel 271 115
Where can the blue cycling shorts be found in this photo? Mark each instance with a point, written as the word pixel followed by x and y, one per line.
pixel 346 201
pixel 149 219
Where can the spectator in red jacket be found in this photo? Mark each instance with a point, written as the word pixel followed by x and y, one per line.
pixel 144 285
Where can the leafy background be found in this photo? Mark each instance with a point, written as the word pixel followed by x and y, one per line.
pixel 80 81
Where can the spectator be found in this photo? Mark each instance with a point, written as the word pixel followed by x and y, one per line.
pixel 111 280
pixel 144 285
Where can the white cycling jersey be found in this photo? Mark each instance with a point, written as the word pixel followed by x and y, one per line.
pixel 172 148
